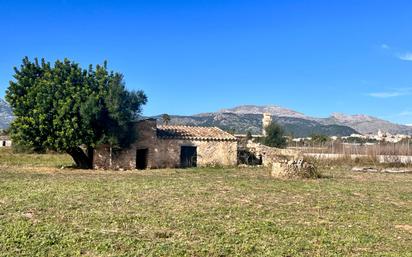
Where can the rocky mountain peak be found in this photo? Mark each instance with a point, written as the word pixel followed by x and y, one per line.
pixel 352 118
pixel 275 110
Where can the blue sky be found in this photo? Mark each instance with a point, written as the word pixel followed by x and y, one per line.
pixel 316 57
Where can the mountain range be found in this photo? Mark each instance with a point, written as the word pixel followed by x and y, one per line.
pixel 249 118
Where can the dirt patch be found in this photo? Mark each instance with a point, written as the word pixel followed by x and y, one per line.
pixel 405 227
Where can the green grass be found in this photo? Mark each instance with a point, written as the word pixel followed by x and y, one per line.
pixel 45 210
pixel 8 158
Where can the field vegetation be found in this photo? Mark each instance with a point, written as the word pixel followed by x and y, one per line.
pixel 49 211
pixel 324 145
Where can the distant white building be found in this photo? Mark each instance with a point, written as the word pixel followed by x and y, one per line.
pixel 358 136
pixel 301 139
pixel 5 141
pixel 380 136
pixel 386 136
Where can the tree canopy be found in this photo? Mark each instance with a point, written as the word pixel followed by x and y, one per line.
pixel 62 107
pixel 166 119
pixel 275 136
pixel 319 138
pixel 249 135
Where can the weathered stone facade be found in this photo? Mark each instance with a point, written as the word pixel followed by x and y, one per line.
pixel 209 153
pixel 162 147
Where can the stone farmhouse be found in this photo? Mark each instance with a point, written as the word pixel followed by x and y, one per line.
pixel 166 146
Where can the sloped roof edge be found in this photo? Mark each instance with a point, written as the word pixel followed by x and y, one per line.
pixel 193 133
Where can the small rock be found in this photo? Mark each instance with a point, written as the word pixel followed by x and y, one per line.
pixel 364 169
pixel 389 170
pixel 28 215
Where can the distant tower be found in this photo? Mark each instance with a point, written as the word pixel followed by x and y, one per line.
pixel 266 121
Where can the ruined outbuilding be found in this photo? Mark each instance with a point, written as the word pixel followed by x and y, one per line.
pixel 170 147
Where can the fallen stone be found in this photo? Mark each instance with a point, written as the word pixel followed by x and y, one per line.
pixel 387 170
pixel 294 169
pixel 364 169
pixel 394 170
pixel 28 215
pixel 405 227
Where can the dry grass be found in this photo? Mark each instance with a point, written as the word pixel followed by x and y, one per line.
pixel 10 159
pixel 379 148
pixel 45 210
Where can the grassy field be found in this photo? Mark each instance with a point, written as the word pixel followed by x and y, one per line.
pixel 45 210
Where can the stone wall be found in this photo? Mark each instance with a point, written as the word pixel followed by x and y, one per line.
pixel 209 153
pixel 106 158
pixel 5 143
pixel 102 157
pixel 404 159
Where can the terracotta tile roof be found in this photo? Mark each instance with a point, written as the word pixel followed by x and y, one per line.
pixel 193 133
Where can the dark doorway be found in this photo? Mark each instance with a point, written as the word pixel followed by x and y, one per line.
pixel 188 156
pixel 141 158
pixel 246 157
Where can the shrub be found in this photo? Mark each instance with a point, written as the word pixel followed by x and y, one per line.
pixel 275 136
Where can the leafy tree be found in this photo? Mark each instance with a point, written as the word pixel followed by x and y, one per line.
pixel 275 136
pixel 166 119
pixel 63 107
pixel 319 138
pixel 228 129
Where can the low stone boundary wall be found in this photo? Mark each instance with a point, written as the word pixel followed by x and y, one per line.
pixel 405 159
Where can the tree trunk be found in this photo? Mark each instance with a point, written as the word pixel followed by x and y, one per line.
pixel 82 160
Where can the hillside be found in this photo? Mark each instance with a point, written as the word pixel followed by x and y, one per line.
pixel 366 124
pixel 243 122
pixel 359 122
pixel 300 124
pixel 272 109
pixel 249 118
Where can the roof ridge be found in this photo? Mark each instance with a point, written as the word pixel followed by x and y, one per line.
pixel 193 132
pixel 190 126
